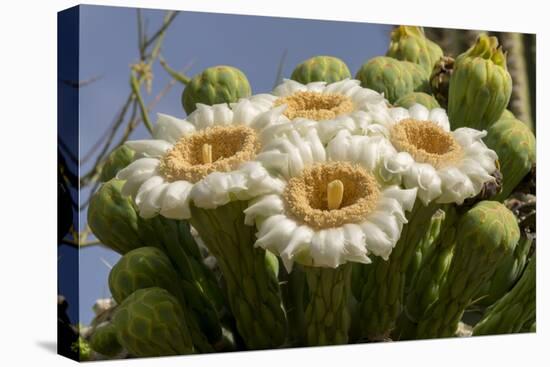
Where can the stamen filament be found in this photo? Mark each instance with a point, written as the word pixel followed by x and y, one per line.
pixel 335 194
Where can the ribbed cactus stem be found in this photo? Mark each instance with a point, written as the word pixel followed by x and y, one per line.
pixel 512 312
pixel 379 287
pixel 520 99
pixel 327 317
pixel 425 285
pixel 252 284
pixel 485 234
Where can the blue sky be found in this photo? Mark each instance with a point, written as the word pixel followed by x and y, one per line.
pixel 108 45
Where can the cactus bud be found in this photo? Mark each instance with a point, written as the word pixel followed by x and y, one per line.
pixel 424 99
pixel 409 43
pixel 151 323
pixel 321 69
pixel 512 312
pixel 117 160
pixel 515 146
pixel 104 341
pixel 485 234
pixel 114 220
pixel 392 77
pixel 480 86
pixel 217 84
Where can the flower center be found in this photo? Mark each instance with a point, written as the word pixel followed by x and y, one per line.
pixel 315 106
pixel 331 195
pixel 214 149
pixel 425 142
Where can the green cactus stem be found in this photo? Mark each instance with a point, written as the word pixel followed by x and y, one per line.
pixel 117 160
pixel 424 99
pixel 379 287
pixel 327 316
pixel 217 84
pixel 409 43
pixel 485 234
pixel 293 290
pixel 480 86
pixel 392 77
pixel 426 282
pixel 104 341
pixel 151 323
pixel 148 267
pixel 513 311
pixel 249 273
pixel 328 69
pixel 507 274
pixel 515 146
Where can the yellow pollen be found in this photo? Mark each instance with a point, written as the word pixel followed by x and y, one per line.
pixel 425 142
pixel 317 197
pixel 335 194
pixel 315 106
pixel 206 153
pixel 214 149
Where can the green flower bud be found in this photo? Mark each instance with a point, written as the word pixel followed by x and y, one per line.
pixel 117 160
pixel 515 146
pixel 217 84
pixel 321 69
pixel 151 323
pixel 114 220
pixel 409 43
pixel 424 99
pixel 480 86
pixel 392 77
pixel 485 234
pixel 104 341
pixel 508 271
pixel 144 267
pixel 512 312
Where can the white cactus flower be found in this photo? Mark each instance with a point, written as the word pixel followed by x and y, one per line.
pixel 329 210
pixel 207 158
pixel 328 108
pixel 446 166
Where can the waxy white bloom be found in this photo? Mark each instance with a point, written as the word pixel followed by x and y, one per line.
pixel 328 108
pixel 331 209
pixel 207 158
pixel 446 166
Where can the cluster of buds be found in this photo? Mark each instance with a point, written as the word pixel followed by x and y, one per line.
pixel 325 193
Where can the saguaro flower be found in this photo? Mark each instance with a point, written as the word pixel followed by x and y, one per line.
pixel 330 212
pixel 203 169
pixel 328 108
pixel 445 167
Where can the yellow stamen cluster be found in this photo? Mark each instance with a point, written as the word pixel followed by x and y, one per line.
pixel 425 142
pixel 315 106
pixel 331 195
pixel 215 149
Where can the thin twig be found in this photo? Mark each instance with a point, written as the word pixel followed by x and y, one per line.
pixel 171 15
pixel 173 73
